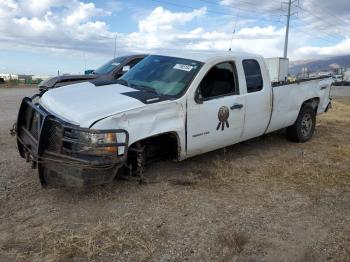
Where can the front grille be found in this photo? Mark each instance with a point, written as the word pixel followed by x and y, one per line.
pixel 54 135
pixel 31 122
pixel 34 129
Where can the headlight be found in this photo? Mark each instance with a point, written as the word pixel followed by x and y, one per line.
pixel 95 143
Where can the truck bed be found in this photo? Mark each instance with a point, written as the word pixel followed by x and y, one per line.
pixel 288 98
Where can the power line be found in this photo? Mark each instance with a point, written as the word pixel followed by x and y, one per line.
pixel 243 16
pixel 317 17
pixel 239 8
pixel 211 11
pixel 308 33
pixel 319 30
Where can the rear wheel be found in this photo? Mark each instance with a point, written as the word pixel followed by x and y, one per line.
pixel 304 127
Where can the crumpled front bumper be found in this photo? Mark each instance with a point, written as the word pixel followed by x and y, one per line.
pixel 47 142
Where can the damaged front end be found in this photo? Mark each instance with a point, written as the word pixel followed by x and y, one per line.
pixel 66 154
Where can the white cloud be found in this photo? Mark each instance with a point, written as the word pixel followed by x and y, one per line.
pixel 159 29
pixel 61 25
pixel 53 25
pixel 162 19
pixel 83 12
pixel 7 7
pixel 34 25
pixel 321 18
pixel 341 48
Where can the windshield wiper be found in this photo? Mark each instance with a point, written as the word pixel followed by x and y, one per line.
pixel 122 82
pixel 148 89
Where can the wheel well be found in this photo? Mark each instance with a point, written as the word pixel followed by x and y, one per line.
pixel 313 102
pixel 164 145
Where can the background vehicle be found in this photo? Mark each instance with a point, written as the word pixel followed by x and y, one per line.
pixel 337 79
pixel 176 104
pixel 113 69
pixel 346 78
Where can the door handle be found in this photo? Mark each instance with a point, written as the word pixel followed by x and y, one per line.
pixel 236 106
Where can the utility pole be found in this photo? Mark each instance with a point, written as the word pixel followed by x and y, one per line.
pixel 287 30
pixel 115 45
pixel 233 33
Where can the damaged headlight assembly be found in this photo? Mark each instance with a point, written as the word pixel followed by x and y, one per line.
pixel 94 144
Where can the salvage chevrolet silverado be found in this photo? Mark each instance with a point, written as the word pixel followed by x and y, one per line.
pixel 175 104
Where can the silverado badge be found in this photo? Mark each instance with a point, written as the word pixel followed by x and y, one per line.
pixel 223 115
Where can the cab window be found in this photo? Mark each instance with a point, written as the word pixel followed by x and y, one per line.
pixel 253 75
pixel 219 81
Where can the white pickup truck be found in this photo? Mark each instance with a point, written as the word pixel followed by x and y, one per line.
pixel 172 104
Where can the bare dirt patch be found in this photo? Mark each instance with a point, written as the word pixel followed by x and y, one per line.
pixel 266 199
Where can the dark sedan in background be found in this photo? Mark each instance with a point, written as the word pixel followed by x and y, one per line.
pixel 109 71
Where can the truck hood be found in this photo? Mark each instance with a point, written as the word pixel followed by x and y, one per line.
pixel 65 80
pixel 84 103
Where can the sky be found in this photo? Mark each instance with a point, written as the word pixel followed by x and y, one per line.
pixel 44 36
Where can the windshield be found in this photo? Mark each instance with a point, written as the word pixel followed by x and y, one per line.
pixel 109 66
pixel 165 75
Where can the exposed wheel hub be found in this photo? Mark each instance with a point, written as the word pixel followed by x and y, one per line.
pixel 306 124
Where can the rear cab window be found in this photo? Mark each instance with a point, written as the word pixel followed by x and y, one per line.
pixel 253 75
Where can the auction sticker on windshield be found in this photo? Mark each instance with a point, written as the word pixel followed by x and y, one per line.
pixel 183 67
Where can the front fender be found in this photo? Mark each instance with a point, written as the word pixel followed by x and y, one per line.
pixel 150 120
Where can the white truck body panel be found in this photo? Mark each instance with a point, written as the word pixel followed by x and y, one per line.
pixel 278 68
pixel 195 125
pixel 150 120
pixel 287 100
pixel 258 104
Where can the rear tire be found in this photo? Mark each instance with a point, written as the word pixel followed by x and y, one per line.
pixel 304 127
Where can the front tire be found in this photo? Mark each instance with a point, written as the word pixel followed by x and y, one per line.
pixel 304 127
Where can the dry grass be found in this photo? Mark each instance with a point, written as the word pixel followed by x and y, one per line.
pixel 323 162
pixel 82 242
pixel 286 197
pixel 231 244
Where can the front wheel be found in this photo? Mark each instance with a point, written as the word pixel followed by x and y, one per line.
pixel 304 127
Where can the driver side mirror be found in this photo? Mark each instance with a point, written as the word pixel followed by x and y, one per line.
pixel 198 96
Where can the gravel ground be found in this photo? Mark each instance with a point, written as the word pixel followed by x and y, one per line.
pixel 266 199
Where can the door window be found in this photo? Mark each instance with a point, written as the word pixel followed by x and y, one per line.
pixel 252 75
pixel 219 81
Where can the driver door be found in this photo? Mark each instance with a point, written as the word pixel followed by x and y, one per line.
pixel 215 117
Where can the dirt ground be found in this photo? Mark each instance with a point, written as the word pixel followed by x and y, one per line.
pixel 266 199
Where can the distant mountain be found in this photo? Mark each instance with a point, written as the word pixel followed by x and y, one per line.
pixel 295 67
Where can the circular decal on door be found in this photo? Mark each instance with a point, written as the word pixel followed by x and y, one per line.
pixel 223 115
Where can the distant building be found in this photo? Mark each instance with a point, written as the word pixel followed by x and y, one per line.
pixel 8 77
pixel 27 79
pixel 40 77
pixel 325 73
